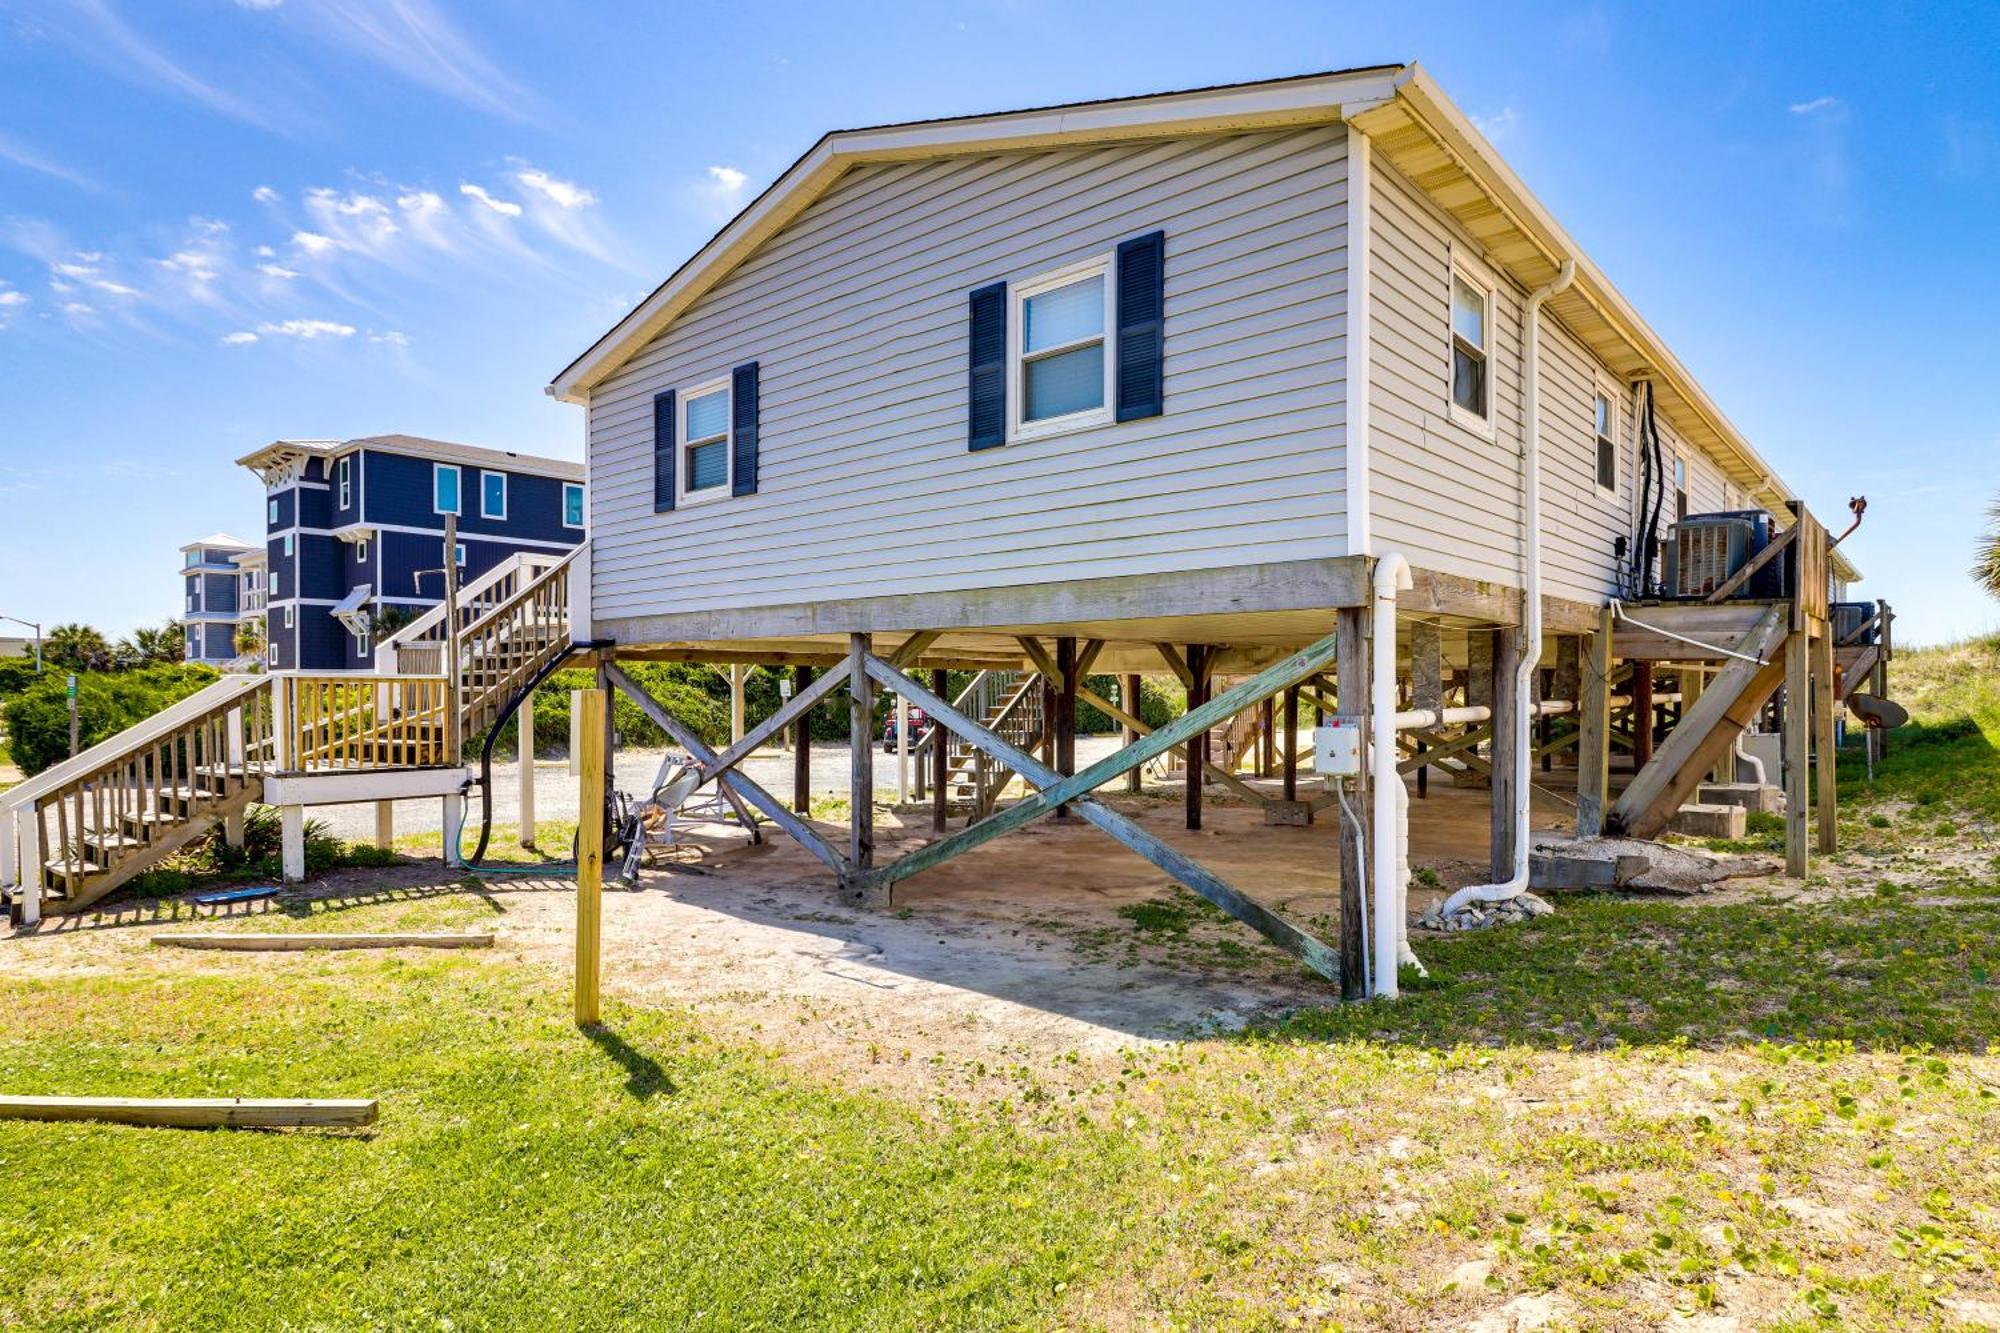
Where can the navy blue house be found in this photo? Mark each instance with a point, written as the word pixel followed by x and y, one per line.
pixel 215 597
pixel 355 533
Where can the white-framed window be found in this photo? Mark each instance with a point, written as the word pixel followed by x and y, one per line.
pixel 493 495
pixel 361 643
pixel 1471 347
pixel 288 545
pixel 1058 354
pixel 271 654
pixel 706 468
pixel 1604 426
pixel 194 600
pixel 271 581
pixel 343 472
pixel 271 511
pixel 573 504
pixel 1680 487
pixel 458 555
pixel 291 616
pixel 444 488
pixel 361 552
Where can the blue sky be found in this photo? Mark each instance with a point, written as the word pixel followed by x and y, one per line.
pixel 227 221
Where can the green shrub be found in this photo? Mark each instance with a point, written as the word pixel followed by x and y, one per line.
pixel 107 703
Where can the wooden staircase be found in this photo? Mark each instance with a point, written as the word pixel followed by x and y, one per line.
pixel 1008 703
pixel 512 622
pixel 1708 732
pixel 89 825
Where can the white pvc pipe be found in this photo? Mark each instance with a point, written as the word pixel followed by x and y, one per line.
pixel 1392 575
pixel 1531 596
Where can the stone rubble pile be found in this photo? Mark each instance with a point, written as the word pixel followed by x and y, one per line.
pixel 1479 916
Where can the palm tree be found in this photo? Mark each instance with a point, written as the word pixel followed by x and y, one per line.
pixel 250 638
pixel 77 648
pixel 1986 561
pixel 162 645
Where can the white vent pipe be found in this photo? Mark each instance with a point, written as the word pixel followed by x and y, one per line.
pixel 1392 575
pixel 1531 595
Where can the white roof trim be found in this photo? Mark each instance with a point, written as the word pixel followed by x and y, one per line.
pixel 1297 101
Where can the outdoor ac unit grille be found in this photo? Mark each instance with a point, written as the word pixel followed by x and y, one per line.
pixel 1708 555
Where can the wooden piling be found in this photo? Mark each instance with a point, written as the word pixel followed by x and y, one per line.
pixel 1593 746
pixel 802 745
pixel 590 855
pixel 940 756
pixel 1129 698
pixel 1065 719
pixel 1196 758
pixel 1826 789
pixel 1351 692
pixel 1798 743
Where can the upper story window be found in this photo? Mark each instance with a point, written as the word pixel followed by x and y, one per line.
pixel 345 482
pixel 1606 426
pixel 493 495
pixel 1059 374
pixel 288 544
pixel 705 441
pixel 194 557
pixel 444 488
pixel 572 505
pixel 1471 350
pixel 458 555
pixel 271 509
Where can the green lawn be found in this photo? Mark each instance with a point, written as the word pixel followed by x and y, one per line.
pixel 1777 1111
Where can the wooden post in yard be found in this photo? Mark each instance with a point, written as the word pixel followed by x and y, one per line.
pixel 802 746
pixel 1266 737
pixel 1642 714
pixel 861 757
pixel 524 760
pixel 1825 756
pixel 1197 745
pixel 590 856
pixel 1798 745
pixel 1065 727
pixel 1507 650
pixel 1128 698
pixel 1593 742
pixel 1352 693
pixel 940 756
pixel 1291 761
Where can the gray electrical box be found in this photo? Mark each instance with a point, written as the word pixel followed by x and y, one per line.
pixel 1337 747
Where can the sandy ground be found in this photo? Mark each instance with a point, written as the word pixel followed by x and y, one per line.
pixel 1014 951
pixel 634 772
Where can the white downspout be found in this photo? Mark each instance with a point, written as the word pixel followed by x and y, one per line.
pixel 1531 597
pixel 1392 575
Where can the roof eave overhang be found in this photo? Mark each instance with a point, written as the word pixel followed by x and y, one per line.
pixel 1427 138
pixel 1276 104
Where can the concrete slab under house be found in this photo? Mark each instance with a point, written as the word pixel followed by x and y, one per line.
pixel 1287 397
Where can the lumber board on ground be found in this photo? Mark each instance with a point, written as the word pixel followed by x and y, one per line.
pixel 1575 872
pixel 196 1112
pixel 301 941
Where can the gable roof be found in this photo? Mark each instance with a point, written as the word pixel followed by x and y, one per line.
pixel 221 539
pixel 1411 124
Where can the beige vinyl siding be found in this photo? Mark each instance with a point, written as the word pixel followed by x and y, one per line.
pixel 1581 522
pixel 856 313
pixel 1444 495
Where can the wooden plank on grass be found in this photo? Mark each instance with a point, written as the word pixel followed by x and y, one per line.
pixel 299 941
pixel 196 1112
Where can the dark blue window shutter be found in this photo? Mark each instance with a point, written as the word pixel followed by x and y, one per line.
pixel 743 428
pixel 987 378
pixel 1142 308
pixel 663 451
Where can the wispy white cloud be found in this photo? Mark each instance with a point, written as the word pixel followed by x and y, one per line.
pixel 97 32
pixel 277 271
pixel 1815 106
pixel 11 303
pixel 12 150
pixel 720 192
pixel 392 337
pixel 1499 125
pixel 418 41
pixel 258 4
pixel 312 242
pixel 1828 185
pixel 309 329
pixel 264 194
pixel 504 207
pixel 241 338
pixel 561 193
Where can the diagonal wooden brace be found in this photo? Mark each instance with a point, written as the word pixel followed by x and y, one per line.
pixel 769 806
pixel 1055 790
pixel 794 708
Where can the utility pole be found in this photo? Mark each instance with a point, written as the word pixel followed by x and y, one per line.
pixel 36 627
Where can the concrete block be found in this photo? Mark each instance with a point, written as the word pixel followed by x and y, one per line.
pixel 1287 814
pixel 1710 821
pixel 1750 796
